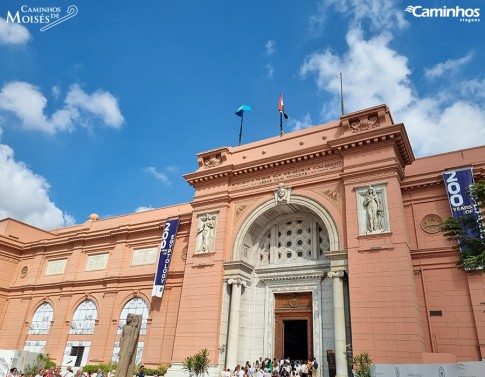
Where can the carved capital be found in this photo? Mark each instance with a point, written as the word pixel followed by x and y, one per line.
pixel 236 281
pixel 336 274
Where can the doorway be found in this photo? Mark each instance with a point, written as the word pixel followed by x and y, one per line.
pixel 295 339
pixel 293 325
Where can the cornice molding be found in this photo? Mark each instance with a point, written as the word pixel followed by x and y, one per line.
pixel 389 135
pixel 84 236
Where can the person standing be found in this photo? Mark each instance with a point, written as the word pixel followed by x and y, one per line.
pixel 314 368
pixel 68 372
pixel 141 372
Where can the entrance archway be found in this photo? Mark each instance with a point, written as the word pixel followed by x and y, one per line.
pixel 277 283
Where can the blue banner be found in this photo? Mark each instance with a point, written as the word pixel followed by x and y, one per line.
pixel 166 249
pixel 461 204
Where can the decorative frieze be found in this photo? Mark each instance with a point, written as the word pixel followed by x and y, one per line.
pixel 332 193
pixel 240 208
pixel 2 257
pixel 371 177
pixel 364 124
pixel 307 171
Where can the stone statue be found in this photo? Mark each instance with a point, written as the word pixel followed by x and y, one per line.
pixel 374 211
pixel 205 234
pixel 128 346
pixel 282 193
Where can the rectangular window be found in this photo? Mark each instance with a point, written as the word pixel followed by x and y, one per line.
pixel 77 351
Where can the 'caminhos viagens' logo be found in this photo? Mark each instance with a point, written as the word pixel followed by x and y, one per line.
pixel 457 12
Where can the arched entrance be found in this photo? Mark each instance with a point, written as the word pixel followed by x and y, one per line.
pixel 281 256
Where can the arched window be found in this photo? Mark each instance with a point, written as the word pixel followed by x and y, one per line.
pixel 84 318
pixel 135 306
pixel 41 322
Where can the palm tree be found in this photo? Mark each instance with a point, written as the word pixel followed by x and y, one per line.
pixel 198 364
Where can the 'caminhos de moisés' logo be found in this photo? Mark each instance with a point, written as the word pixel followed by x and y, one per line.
pixel 47 16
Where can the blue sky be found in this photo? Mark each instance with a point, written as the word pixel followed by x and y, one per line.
pixel 104 112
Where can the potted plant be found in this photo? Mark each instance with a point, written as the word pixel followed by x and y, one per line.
pixel 198 364
pixel 362 363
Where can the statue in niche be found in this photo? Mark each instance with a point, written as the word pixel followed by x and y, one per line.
pixel 205 234
pixel 374 211
pixel 128 346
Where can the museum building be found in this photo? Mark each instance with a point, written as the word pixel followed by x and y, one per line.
pixel 323 240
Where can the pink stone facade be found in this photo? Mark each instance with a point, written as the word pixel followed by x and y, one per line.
pixel 404 299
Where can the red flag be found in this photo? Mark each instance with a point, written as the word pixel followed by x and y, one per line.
pixel 281 106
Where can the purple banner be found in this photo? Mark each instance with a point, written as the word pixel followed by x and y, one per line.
pixel 461 204
pixel 166 249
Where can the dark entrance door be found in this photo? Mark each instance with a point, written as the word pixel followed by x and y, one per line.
pixel 296 339
pixel 293 325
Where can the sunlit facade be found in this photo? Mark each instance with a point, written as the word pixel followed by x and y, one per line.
pixel 280 253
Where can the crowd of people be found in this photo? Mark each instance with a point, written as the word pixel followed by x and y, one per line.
pixel 57 372
pixel 274 368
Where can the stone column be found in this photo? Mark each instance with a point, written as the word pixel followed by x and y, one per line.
pixel 339 323
pixel 233 331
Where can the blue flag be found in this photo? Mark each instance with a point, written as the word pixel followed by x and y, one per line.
pixel 242 109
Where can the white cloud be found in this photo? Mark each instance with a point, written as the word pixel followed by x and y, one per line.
pixel 56 91
pixel 296 124
pixel 435 128
pixel 159 175
pixel 24 195
pixel 374 73
pixel 269 71
pixel 102 104
pixel 270 47
pixel 473 88
pixel 143 209
pixel 13 33
pixel 28 104
pixel 379 14
pixel 450 65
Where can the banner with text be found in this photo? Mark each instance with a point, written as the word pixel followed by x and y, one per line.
pixel 457 183
pixel 166 249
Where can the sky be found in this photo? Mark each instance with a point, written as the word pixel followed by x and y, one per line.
pixel 105 109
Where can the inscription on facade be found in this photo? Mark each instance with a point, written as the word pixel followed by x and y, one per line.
pixel 144 256
pixel 56 267
pixel 291 174
pixel 97 262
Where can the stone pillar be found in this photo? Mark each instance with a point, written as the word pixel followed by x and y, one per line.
pixel 233 331
pixel 339 323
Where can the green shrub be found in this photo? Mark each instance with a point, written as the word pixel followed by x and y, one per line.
pixel 93 368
